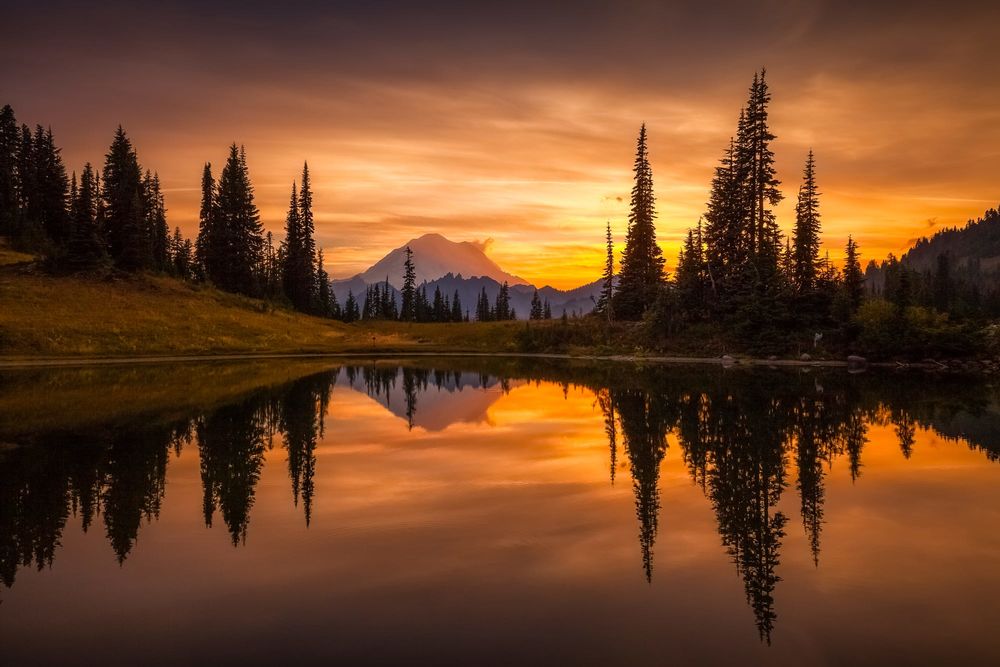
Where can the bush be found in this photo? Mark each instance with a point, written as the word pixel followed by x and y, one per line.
pixel 886 331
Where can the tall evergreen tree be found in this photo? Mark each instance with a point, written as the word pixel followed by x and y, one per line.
pixel 641 272
pixel 408 309
pixel 854 278
pixel 547 311
pixel 536 312
pixel 351 313
pixel 690 275
pixel 9 143
pixel 762 184
pixel 156 221
pixel 298 271
pixel 239 222
pixel 210 246
pixel 725 219
pixel 124 220
pixel 307 225
pixel 85 250
pixel 52 188
pixel 438 313
pixel 456 308
pixel 483 311
pixel 603 306
pixel 807 230
pixel 181 255
pixel 502 309
pixel 324 306
pixel 28 231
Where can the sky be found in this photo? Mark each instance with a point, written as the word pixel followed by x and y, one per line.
pixel 514 124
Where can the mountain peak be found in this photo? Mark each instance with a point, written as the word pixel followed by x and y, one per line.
pixel 435 256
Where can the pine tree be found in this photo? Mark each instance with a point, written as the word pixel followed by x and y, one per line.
pixel 483 311
pixel 307 279
pixel 239 222
pixel 807 230
pixel 28 231
pixel 456 308
pixel 547 311
pixel 52 188
pixel 502 309
pixel 854 278
pixel 124 223
pixel 297 270
pixel 408 309
pixel 641 272
pixel 9 143
pixel 157 230
pixel 210 245
pixel 273 268
pixel 180 255
pixel 762 184
pixel 438 313
pixel 603 306
pixel 351 313
pixel 324 307
pixel 387 302
pixel 690 275
pixel 725 237
pixel 85 251
pixel 536 307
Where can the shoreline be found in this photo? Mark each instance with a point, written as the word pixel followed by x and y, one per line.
pixel 10 363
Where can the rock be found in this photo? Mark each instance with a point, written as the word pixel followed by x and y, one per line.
pixel 855 360
pixel 726 359
pixel 805 357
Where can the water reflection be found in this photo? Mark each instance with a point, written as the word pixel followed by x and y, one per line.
pixel 744 438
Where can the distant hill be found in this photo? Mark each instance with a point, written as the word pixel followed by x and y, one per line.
pixel 977 243
pixel 973 253
pixel 465 268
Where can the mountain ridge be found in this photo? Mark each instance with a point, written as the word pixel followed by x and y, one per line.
pixel 465 268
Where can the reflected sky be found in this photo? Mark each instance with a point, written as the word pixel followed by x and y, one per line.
pixel 465 515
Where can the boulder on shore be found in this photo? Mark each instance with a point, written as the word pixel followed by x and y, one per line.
pixel 805 357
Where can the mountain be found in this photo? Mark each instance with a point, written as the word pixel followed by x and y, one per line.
pixel 435 256
pixel 465 268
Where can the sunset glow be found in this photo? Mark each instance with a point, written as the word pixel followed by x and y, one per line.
pixel 520 125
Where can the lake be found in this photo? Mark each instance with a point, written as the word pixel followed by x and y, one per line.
pixel 497 512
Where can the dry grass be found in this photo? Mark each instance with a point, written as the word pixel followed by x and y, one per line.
pixel 9 257
pixel 47 316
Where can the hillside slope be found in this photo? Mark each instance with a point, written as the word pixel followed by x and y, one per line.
pixel 146 315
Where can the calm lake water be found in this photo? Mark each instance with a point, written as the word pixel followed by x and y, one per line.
pixel 501 512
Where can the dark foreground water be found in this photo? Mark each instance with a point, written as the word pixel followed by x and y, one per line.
pixel 497 512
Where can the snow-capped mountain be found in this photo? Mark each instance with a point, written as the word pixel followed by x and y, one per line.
pixel 435 256
pixel 463 268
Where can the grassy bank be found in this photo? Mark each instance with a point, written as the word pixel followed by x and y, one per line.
pixel 44 315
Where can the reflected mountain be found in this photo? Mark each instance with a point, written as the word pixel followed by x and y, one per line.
pixel 444 397
pixel 744 437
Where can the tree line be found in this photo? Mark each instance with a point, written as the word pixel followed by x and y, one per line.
pixel 114 218
pixel 739 272
pixel 736 267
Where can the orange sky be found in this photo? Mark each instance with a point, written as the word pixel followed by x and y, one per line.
pixel 517 123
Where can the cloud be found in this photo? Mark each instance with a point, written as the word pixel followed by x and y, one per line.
pixel 516 121
pixel 483 245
